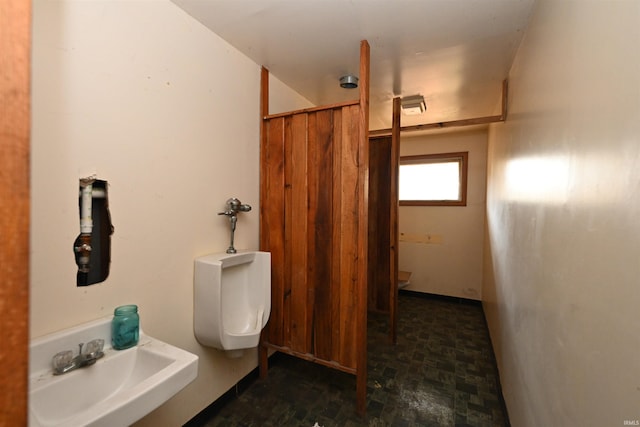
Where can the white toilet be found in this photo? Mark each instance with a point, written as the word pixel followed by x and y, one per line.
pixel 232 299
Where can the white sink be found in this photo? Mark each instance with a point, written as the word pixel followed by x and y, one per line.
pixel 119 389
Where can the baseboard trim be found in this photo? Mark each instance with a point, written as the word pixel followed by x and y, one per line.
pixel 447 298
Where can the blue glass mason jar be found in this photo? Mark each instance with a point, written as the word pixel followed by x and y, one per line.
pixel 125 327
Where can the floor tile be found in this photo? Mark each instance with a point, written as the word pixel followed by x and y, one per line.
pixel 441 373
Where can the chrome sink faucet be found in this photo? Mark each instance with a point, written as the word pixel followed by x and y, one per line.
pixel 64 361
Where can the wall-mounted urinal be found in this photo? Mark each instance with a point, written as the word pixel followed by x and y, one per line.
pixel 232 300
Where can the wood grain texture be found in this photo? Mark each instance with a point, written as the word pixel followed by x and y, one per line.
pixel 363 193
pixel 393 221
pixel 320 190
pixel 312 232
pixel 312 358
pixel 314 183
pixel 14 209
pixel 263 354
pixel 347 247
pixel 308 295
pixel 296 226
pixel 272 221
pixel 285 209
pixel 379 257
pixel 313 109
pixel 336 232
pixel 441 125
pixel 505 100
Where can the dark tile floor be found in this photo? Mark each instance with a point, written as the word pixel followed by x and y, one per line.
pixel 441 373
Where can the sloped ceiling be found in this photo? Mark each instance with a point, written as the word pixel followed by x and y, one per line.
pixel 453 52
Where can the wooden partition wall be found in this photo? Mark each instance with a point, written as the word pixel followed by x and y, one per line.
pixel 384 153
pixel 313 220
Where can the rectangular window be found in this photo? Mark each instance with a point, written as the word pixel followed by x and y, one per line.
pixel 433 180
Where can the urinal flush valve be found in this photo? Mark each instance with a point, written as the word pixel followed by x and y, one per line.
pixel 233 206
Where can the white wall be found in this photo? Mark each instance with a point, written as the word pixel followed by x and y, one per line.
pixel 453 267
pixel 168 113
pixel 562 272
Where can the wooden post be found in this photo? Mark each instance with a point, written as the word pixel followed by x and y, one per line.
pixel 263 353
pixel 15 51
pixel 505 99
pixel 363 224
pixel 393 223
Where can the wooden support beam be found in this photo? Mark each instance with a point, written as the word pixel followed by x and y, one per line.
pixel 310 357
pixel 455 123
pixel 505 99
pixel 15 66
pixel 393 238
pixel 363 229
pixel 313 109
pixel 263 353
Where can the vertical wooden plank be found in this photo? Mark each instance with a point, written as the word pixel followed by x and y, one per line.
pixel 349 221
pixel 379 254
pixel 505 99
pixel 272 224
pixel 264 110
pixel 374 181
pixel 363 192
pixel 320 174
pixel 297 227
pixel 15 42
pixel 287 230
pixel 263 360
pixel 393 227
pixel 336 233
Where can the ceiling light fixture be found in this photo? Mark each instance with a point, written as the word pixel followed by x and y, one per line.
pixel 413 105
pixel 349 81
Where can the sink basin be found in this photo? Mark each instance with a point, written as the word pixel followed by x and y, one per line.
pixel 119 389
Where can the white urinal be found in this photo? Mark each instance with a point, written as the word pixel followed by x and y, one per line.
pixel 232 299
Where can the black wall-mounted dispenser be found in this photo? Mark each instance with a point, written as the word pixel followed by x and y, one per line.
pixel 92 248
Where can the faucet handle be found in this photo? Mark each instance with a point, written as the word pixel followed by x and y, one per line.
pixel 94 347
pixel 61 360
